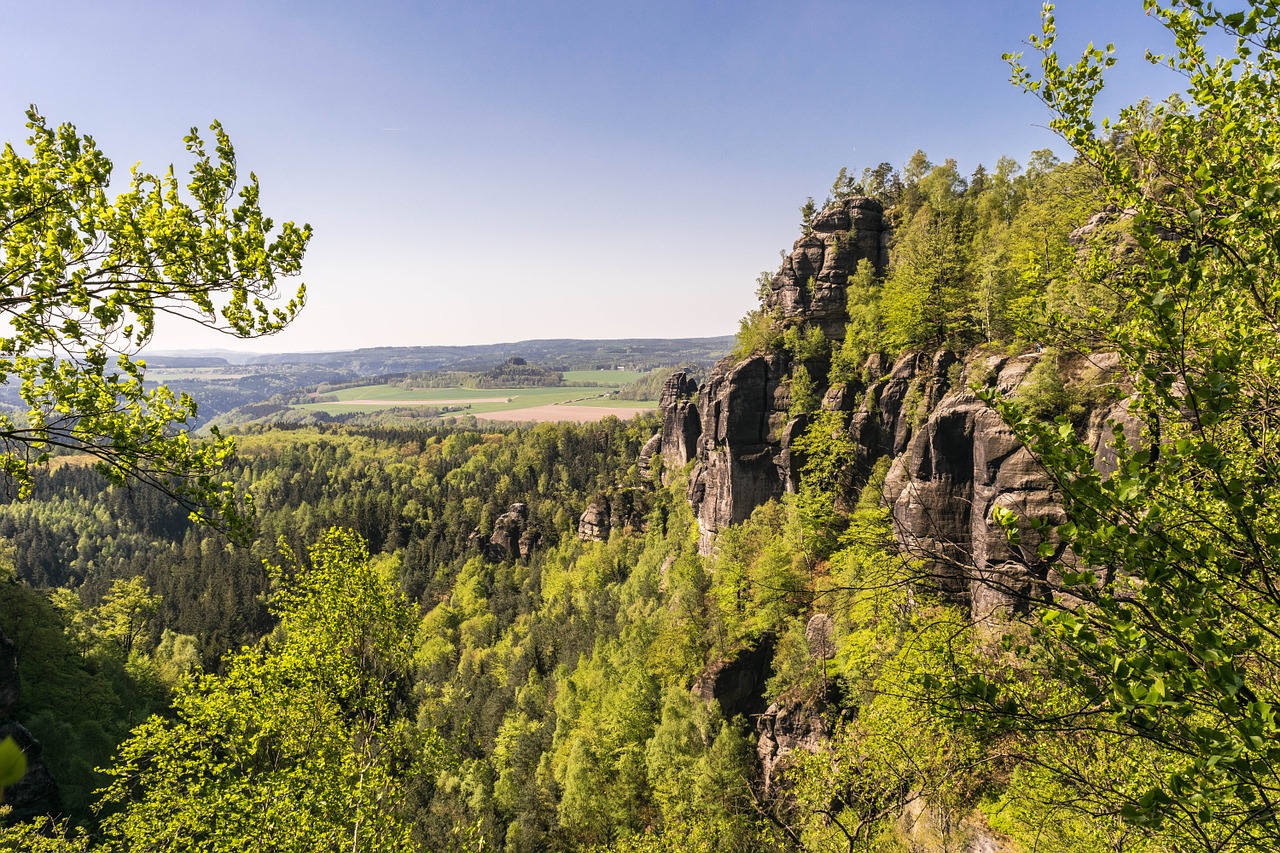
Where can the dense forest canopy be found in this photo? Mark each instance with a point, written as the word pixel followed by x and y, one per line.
pixel 453 638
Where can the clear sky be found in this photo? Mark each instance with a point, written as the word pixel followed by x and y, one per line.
pixel 480 171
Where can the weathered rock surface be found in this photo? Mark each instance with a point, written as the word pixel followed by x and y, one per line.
pixel 651 448
pixel 820 636
pixel 785 727
pixel 681 425
pixel 962 464
pixel 593 524
pixel 511 539
pixel 739 430
pixel 624 509
pixel 811 283
pixel 739 465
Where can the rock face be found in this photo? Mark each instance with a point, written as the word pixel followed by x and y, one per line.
pixel 739 430
pixel 512 537
pixel 784 727
pixel 651 448
pixel 622 509
pixel 739 467
pixel 681 425
pixel 593 524
pixel 957 468
pixel 811 284
pixel 954 461
pixel 737 682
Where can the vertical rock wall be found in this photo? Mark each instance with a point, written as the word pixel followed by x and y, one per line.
pixel 954 460
pixel 739 426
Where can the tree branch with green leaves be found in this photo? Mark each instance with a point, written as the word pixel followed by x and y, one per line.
pixel 83 279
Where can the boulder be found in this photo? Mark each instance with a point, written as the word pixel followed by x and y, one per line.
pixel 785 727
pixel 651 448
pixel 507 530
pixel 593 524
pixel 820 636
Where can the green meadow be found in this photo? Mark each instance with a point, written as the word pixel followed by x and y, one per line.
pixel 488 401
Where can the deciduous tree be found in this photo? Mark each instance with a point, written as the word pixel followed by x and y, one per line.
pixel 83 279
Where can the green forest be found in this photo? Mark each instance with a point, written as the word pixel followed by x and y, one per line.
pixel 451 637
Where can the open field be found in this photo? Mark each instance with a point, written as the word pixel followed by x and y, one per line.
pixel 531 404
pixel 426 402
pixel 577 413
pixel 610 378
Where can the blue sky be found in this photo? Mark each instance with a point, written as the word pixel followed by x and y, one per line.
pixel 480 172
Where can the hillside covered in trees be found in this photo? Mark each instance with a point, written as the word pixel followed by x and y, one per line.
pixel 969 544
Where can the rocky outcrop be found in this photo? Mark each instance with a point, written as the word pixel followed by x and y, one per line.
pixel 36 795
pixel 739 429
pixel 954 460
pixel 681 425
pixel 624 509
pixel 648 452
pixel 786 726
pixel 744 412
pixel 959 467
pixel 593 524
pixel 811 284
pixel 512 537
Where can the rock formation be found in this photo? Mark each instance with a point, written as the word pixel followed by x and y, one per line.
pixel 623 509
pixel 960 465
pixel 737 682
pixel 512 537
pixel 954 460
pixel 593 525
pixel 739 430
pixel 784 727
pixel 811 284
pixel 743 413
pixel 681 425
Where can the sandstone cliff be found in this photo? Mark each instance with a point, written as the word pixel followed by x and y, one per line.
pixel 953 460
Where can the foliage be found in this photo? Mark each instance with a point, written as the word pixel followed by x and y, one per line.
pixel 758 333
pixel 649 386
pixel 37 837
pixel 1163 626
pixel 77 695
pixel 83 279
pixel 804 391
pixel 299 744
pixel 864 330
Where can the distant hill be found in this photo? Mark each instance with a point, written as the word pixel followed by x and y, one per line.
pixel 640 354
pixel 221 381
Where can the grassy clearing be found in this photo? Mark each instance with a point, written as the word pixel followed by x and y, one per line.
pixel 485 401
pixel 607 378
